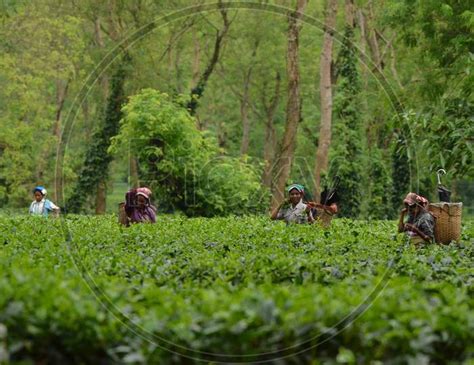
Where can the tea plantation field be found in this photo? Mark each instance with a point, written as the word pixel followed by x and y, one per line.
pixel 83 290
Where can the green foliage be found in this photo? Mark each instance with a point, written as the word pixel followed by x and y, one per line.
pixel 232 286
pixel 96 165
pixel 16 164
pixel 346 156
pixel 425 48
pixel 447 131
pixel 400 171
pixel 440 33
pixel 181 164
pixel 443 28
pixel 377 196
pixel 433 44
pixel 41 51
pixel 451 133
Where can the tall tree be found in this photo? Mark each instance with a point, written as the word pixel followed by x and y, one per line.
pixel 438 35
pixel 42 51
pixel 270 135
pixel 400 169
pixel 245 69
pixel 101 194
pixel 96 165
pixel 346 156
pixel 371 36
pixel 293 106
pixel 245 104
pixel 325 85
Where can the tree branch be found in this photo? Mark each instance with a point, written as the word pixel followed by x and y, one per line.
pixel 175 38
pixel 198 90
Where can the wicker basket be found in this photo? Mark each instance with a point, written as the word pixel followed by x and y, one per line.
pixel 323 218
pixel 448 221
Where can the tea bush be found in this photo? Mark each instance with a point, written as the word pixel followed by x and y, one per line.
pixel 235 289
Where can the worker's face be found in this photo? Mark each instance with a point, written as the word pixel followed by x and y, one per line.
pixel 38 196
pixel 141 201
pixel 412 209
pixel 295 196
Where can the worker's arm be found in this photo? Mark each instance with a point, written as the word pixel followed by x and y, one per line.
pixel 401 224
pixel 274 214
pixel 413 228
pixel 309 212
pixel 331 209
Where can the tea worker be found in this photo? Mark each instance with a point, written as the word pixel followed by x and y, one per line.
pixel 420 223
pixel 42 206
pixel 138 206
pixel 293 209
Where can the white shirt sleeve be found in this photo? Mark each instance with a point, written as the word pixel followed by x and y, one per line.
pixel 53 206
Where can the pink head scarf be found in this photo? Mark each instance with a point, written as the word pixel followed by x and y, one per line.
pixel 413 198
pixel 144 192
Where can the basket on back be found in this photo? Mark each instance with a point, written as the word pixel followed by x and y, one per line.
pixel 130 196
pixel 323 217
pixel 448 221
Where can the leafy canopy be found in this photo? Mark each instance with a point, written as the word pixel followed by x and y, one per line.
pixel 182 164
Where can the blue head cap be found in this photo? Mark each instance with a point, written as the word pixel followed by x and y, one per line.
pixel 41 189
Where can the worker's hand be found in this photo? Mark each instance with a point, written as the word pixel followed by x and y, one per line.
pixel 404 210
pixel 409 227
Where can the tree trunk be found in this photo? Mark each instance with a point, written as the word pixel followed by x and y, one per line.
pixel 361 23
pixel 100 199
pixel 244 114
pixel 245 142
pixel 393 67
pixel 269 153
pixel 61 93
pixel 98 33
pixel 364 102
pixel 293 114
pixel 4 350
pixel 134 179
pixel 371 38
pixel 87 120
pixel 326 98
pixel 196 67
pixel 196 61
pixel 198 90
pixel 245 103
pixel 97 160
pixel 349 13
pixel 177 70
pixel 270 137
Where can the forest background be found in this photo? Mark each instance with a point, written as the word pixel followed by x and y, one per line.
pixel 218 108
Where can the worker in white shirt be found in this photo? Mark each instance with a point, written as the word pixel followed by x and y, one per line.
pixel 41 205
